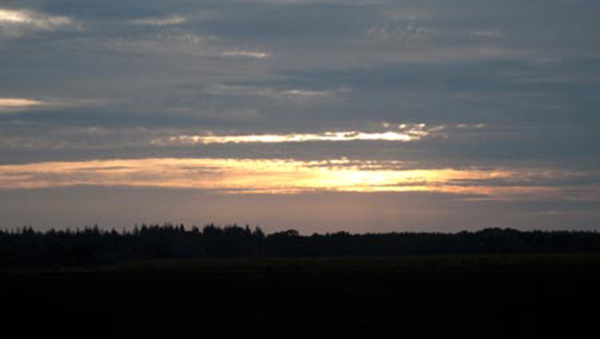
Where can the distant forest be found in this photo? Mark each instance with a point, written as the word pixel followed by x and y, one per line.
pixel 27 247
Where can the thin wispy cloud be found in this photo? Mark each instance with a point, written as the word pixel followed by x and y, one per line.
pixel 402 133
pixel 403 33
pixel 15 105
pixel 18 103
pixel 411 33
pixel 14 23
pixel 406 134
pixel 161 21
pixel 240 53
pixel 486 34
pixel 169 43
pixel 275 93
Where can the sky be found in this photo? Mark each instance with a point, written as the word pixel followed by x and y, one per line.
pixel 316 115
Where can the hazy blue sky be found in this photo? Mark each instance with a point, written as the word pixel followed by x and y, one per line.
pixel 318 115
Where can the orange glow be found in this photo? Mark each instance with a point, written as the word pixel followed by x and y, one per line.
pixel 260 176
pixel 18 103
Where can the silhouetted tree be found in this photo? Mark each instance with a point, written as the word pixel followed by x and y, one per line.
pixel 94 246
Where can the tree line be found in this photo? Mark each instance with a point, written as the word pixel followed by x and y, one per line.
pixel 27 247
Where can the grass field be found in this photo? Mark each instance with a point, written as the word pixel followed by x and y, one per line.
pixel 504 296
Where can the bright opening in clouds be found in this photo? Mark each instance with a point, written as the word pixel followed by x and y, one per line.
pixel 274 176
pixel 413 134
pixel 18 102
pixel 453 116
pixel 8 105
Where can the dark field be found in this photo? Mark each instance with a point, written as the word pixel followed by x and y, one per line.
pixel 501 296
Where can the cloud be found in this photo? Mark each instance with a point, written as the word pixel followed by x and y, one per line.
pixel 299 93
pixel 164 21
pixel 171 42
pixel 15 23
pixel 17 104
pixel 274 93
pixel 254 79
pixel 403 32
pixel 486 34
pixel 255 54
pixel 406 14
pixel 406 134
pixel 23 137
pixel 168 43
pixel 411 33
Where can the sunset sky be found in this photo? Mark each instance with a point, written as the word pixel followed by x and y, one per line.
pixel 317 115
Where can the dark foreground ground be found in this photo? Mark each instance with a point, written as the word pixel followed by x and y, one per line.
pixel 508 296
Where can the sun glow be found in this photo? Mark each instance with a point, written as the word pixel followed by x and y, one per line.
pixel 18 102
pixel 275 176
pixel 11 105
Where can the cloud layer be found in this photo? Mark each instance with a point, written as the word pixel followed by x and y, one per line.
pixel 474 87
